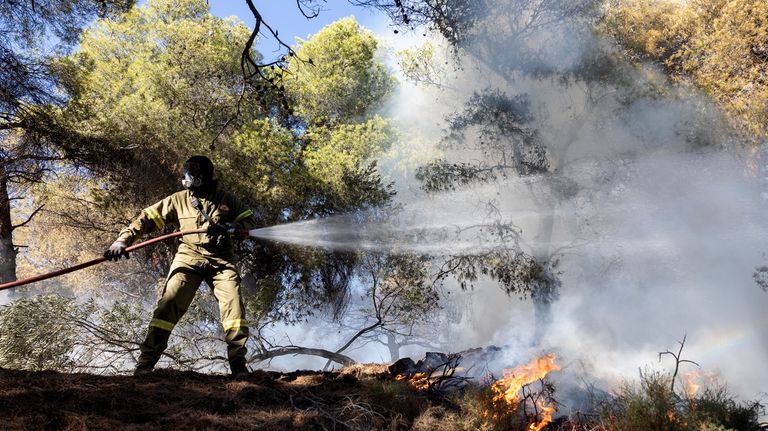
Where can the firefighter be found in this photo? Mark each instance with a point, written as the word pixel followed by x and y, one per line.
pixel 200 257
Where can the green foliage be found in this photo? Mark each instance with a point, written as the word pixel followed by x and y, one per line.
pixel 313 173
pixel 496 131
pixel 52 332
pixel 334 76
pixel 721 45
pixel 157 84
pixel 400 288
pixel 164 81
pixel 318 161
pixel 502 126
pixel 26 37
pixel 718 408
pixel 297 176
pixel 261 300
pixel 516 272
pixel 37 333
pixel 333 152
pixel 30 136
pixel 419 65
pixel 442 175
pixel 31 22
pixel 497 126
pixel 651 404
pixel 272 157
pixel 454 19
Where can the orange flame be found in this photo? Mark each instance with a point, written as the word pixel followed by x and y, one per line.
pixel 508 388
pixel 419 381
pixel 691 384
pixel 546 418
pixel 515 378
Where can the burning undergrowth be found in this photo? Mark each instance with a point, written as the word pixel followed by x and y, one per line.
pixel 522 398
pixel 525 397
pixel 441 391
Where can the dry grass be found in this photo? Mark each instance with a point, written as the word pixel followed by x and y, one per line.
pixel 360 397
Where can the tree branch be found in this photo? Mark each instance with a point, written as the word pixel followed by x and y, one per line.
pixel 301 4
pixel 678 361
pixel 298 350
pixel 13 227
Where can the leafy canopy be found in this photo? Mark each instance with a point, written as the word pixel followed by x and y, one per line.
pixel 722 46
pixel 335 75
pixel 164 81
pixel 164 75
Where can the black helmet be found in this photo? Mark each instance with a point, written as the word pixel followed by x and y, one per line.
pixel 198 170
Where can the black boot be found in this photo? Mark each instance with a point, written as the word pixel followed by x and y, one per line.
pixel 238 369
pixel 143 369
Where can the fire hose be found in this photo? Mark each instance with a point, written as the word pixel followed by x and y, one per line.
pixel 80 266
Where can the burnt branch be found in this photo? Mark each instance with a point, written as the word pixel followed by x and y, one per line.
pixel 298 350
pixel 378 323
pixel 678 361
pixel 443 377
pixel 434 375
pixel 360 333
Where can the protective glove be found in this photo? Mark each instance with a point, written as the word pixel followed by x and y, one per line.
pixel 228 230
pixel 116 250
pixel 217 230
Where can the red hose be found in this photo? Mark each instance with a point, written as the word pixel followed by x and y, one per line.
pixel 80 266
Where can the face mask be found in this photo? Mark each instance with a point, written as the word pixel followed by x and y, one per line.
pixel 189 181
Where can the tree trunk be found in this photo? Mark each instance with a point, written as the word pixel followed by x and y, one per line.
pixel 543 297
pixel 549 285
pixel 394 347
pixel 7 252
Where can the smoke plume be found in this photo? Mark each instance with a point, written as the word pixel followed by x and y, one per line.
pixel 650 207
pixel 658 216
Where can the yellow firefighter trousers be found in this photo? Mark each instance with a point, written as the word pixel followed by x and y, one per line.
pixel 184 278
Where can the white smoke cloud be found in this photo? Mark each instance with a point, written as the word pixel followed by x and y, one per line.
pixel 660 242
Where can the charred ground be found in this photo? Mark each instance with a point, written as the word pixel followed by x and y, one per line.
pixel 351 399
pixel 359 397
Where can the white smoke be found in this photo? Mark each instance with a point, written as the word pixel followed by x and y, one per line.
pixel 658 239
pixel 660 242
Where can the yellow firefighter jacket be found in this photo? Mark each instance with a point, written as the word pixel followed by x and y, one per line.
pixel 221 207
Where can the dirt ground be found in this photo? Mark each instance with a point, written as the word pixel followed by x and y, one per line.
pixel 355 398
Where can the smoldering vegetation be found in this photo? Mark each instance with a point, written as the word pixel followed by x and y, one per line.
pixel 647 203
pixel 632 206
pixel 636 192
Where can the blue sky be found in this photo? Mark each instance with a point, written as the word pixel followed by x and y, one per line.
pixel 284 16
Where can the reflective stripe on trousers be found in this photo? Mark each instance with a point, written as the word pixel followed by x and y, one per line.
pixel 184 278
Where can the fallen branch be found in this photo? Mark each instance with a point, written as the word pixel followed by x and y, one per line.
pixel 298 350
